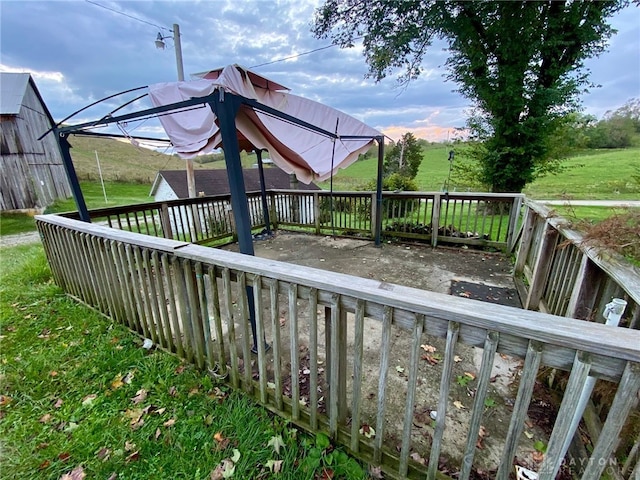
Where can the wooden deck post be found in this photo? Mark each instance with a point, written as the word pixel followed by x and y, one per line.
pixel 542 267
pixel 530 218
pixel 435 219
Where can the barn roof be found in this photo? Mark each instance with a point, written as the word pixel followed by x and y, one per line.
pixel 216 182
pixel 13 86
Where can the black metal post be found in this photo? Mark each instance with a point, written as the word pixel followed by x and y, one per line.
pixel 378 218
pixel 65 147
pixel 263 191
pixel 225 106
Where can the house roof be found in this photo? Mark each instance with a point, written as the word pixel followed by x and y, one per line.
pixel 216 182
pixel 13 86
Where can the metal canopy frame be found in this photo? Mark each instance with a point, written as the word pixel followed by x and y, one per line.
pixel 225 106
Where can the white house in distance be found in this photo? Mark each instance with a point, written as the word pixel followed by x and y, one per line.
pixel 32 174
pixel 172 185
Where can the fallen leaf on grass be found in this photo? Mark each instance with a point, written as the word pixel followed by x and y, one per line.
pixel 53 373
pixel 428 348
pixel 4 400
pixel 222 442
pixel 136 417
pixel 129 446
pixel 179 369
pixel 88 400
pixel 58 403
pixel 44 333
pixel 457 358
pixel 157 434
pixel 276 442
pixel 44 465
pixel 46 418
pixel 274 465
pixel 415 456
pixel 470 375
pixel 103 454
pixel 64 456
pixel 122 380
pixel 141 396
pixel 194 391
pixel 135 456
pixel 458 404
pixel 173 391
pixel 169 422
pixel 225 469
pixel 75 474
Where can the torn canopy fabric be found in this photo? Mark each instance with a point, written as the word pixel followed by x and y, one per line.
pixel 309 154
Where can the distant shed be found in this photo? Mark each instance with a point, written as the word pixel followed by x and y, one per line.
pixel 172 184
pixel 32 174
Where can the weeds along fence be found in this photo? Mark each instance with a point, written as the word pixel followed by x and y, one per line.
pixel 482 220
pixel 345 352
pixel 558 272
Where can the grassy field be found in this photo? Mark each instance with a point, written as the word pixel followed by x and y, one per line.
pixel 122 162
pixel 80 394
pixel 595 175
pixel 130 171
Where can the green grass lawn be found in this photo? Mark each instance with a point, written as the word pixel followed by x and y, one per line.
pixel 79 392
pixel 431 177
pixel 598 175
pixel 118 193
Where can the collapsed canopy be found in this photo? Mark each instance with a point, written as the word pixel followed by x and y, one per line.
pixel 308 154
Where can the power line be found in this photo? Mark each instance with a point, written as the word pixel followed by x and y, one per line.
pixel 298 55
pixel 126 15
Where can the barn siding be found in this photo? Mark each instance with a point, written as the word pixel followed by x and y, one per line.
pixel 31 171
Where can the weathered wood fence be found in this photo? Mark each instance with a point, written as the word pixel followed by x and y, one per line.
pixel 194 301
pixel 558 272
pixel 485 220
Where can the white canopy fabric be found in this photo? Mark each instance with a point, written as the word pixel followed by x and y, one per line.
pixel 294 149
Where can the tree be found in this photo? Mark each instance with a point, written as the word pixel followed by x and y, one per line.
pixel 521 63
pixel 404 157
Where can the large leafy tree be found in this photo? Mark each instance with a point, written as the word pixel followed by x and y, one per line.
pixel 521 63
pixel 404 157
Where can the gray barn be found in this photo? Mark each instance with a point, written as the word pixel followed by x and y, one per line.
pixel 32 174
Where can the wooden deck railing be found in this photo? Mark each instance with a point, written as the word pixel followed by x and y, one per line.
pixel 485 220
pixel 194 302
pixel 559 273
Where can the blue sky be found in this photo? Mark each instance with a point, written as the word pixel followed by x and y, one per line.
pixel 79 52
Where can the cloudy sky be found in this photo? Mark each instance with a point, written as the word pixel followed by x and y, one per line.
pixel 79 52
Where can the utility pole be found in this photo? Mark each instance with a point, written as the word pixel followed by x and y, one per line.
pixel 191 179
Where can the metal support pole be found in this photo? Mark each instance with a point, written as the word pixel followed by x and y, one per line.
pixel 65 147
pixel 225 106
pixel 378 218
pixel 263 192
